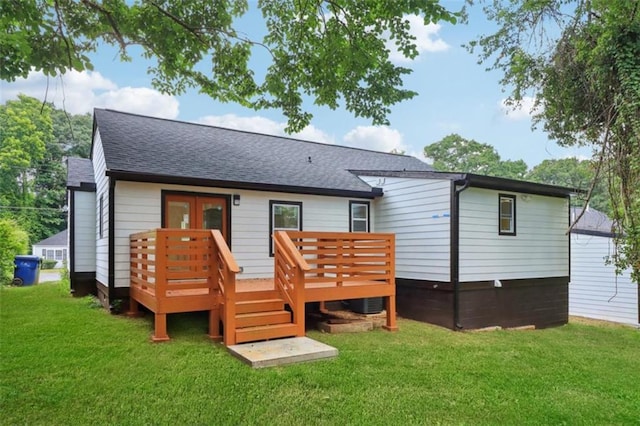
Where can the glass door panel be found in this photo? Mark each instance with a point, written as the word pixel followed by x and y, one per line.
pixel 212 214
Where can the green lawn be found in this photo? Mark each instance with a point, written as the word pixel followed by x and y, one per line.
pixel 66 362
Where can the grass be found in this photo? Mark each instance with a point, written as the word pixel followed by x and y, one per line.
pixel 64 361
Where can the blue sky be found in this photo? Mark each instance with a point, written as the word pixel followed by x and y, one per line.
pixel 456 95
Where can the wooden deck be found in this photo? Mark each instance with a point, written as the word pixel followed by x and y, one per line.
pixel 175 270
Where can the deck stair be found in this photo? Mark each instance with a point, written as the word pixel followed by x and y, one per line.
pixel 261 315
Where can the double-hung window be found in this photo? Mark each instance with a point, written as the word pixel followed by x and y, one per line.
pixel 284 216
pixel 507 214
pixel 358 216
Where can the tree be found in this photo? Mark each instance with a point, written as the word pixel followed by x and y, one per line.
pixel 25 131
pixel 331 51
pixel 13 241
pixel 32 174
pixel 456 154
pixel 72 132
pixel 580 60
pixel 573 173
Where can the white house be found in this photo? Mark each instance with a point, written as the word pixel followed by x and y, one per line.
pixel 55 248
pixel 464 258
pixel 596 291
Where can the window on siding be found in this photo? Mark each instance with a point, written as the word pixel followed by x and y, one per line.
pixel 58 254
pixel 507 214
pixel 49 255
pixel 358 216
pixel 100 224
pixel 64 255
pixel 44 253
pixel 284 216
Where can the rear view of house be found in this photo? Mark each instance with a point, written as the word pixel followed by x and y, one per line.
pixel 471 251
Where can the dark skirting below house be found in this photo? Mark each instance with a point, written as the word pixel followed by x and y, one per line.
pixel 541 302
pixel 82 283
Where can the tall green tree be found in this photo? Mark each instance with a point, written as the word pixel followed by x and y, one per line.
pixel 331 51
pixel 581 61
pixel 32 172
pixel 72 132
pixel 573 173
pixel 453 153
pixel 25 132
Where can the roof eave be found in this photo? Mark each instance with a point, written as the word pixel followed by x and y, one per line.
pixel 181 180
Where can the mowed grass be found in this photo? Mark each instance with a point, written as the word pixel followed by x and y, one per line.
pixel 66 362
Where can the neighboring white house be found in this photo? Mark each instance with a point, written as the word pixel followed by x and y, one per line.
pixel 463 257
pixel 55 248
pixel 596 291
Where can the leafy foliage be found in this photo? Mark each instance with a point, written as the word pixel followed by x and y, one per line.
pixel 581 60
pixel 456 154
pixel 13 241
pixel 330 51
pixel 34 140
pixel 573 173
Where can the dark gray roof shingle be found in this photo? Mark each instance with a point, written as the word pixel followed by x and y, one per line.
pixel 153 146
pixel 79 172
pixel 60 239
pixel 592 220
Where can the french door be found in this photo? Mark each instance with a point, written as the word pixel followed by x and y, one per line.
pixel 185 211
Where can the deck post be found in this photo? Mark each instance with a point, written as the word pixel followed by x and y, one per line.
pixel 160 328
pixel 391 314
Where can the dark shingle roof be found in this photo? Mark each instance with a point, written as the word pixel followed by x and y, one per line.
pixel 158 147
pixel 79 173
pixel 593 221
pixel 60 239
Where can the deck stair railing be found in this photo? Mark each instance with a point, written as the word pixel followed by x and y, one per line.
pixel 289 272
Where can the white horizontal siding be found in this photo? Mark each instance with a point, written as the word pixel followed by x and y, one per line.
pixel 595 290
pixel 84 211
pixel 539 249
pixel 102 190
pixel 138 208
pixel 417 211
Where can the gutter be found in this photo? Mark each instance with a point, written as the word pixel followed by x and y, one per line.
pixel 455 245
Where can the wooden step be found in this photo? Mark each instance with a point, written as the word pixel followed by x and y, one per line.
pixel 265 332
pixel 266 305
pixel 243 296
pixel 263 318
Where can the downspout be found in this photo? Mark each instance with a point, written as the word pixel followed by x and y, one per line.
pixel 455 246
pixel 112 242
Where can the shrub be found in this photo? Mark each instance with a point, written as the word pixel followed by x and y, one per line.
pixel 48 264
pixel 13 241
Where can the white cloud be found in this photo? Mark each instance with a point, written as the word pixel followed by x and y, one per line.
pixel 80 92
pixel 264 125
pixel 427 39
pixel 377 138
pixel 523 110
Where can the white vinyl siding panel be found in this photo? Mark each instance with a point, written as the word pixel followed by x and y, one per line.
pixel 84 212
pixel 417 211
pixel 138 208
pixel 102 189
pixel 595 291
pixel 539 248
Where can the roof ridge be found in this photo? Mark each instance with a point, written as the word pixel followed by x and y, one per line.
pixel 253 133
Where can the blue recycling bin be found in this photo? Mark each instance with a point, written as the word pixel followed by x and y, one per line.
pixel 26 270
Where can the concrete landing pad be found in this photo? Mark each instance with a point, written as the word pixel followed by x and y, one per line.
pixel 282 352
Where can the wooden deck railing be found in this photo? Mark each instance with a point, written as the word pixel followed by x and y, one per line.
pixel 178 270
pixel 224 275
pixel 326 266
pixel 289 272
